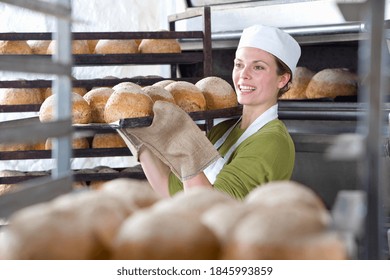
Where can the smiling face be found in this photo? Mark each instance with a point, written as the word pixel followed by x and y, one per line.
pixel 255 77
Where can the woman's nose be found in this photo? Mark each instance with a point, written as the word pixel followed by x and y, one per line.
pixel 244 74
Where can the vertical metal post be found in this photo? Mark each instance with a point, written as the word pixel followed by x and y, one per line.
pixel 62 93
pixel 371 56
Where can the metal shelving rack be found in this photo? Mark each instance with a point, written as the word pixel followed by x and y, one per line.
pixel 31 129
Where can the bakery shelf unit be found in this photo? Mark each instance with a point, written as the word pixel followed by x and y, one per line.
pixel 202 57
pixel 60 181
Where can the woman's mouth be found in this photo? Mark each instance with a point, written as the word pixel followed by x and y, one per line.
pixel 246 89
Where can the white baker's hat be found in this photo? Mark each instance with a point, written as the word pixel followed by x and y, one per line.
pixel 274 41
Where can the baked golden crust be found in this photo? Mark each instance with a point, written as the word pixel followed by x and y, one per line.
pixel 219 94
pixel 110 46
pixel 15 47
pixel 97 100
pixel 187 96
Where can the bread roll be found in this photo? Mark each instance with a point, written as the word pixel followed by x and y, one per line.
pixel 39 46
pixel 274 232
pixel 300 81
pixel 331 83
pixel 284 194
pixel 187 96
pixel 81 111
pixel 79 90
pixel 159 46
pixel 159 93
pixel 127 103
pixel 194 202
pixel 6 188
pixel 219 93
pixel 20 96
pixel 107 140
pixel 163 83
pixel 127 85
pixel 15 147
pixel 132 191
pixel 150 235
pixel 92 45
pixel 111 46
pixel 97 99
pixel 14 47
pixel 77 143
pixel 74 226
pixel 78 47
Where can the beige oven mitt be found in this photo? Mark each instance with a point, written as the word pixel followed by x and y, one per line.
pixel 174 138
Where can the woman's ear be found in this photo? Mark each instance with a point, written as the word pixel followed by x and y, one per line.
pixel 284 79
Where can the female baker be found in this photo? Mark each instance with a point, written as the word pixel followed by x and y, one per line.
pixel 257 148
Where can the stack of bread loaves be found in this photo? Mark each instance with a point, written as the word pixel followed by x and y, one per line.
pixel 126 219
pixel 327 83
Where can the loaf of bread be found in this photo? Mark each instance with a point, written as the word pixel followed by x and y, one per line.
pixel 187 96
pixel 91 45
pixel 301 78
pixel 330 83
pixel 78 47
pixel 159 46
pixel 107 140
pixel 219 93
pixel 15 47
pixel 97 99
pixel 79 90
pixel 65 228
pixel 39 46
pixel 127 103
pixel 9 147
pixel 285 193
pixel 81 111
pixel 194 202
pixel 132 192
pixel 111 46
pixel 19 96
pixel 77 143
pixel 6 188
pixel 158 93
pixel 151 235
pixel 281 233
pixel 163 83
pixel 125 85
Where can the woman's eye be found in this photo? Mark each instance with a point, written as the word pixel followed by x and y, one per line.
pixel 258 67
pixel 237 65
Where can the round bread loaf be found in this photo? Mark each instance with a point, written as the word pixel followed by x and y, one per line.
pixel 107 140
pixel 6 188
pixel 15 47
pixel 91 45
pixel 331 83
pixel 132 191
pixel 194 201
pixel 111 46
pixel 159 93
pixel 125 85
pixel 81 112
pixel 219 93
pixel 79 90
pixel 163 83
pixel 127 103
pixel 150 235
pixel 97 99
pixel 268 232
pixel 65 227
pixel 39 46
pixel 77 143
pixel 187 96
pixel 78 47
pixel 19 96
pixel 284 193
pixel 159 46
pixel 300 81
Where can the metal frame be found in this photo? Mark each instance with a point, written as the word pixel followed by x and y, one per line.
pixel 34 191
